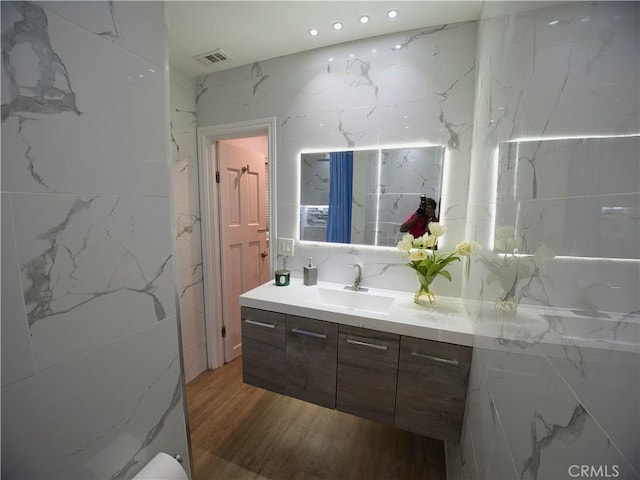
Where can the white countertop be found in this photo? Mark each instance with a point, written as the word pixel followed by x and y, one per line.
pixel 444 320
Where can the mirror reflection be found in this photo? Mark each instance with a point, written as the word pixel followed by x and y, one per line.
pixel 365 196
pixel 573 195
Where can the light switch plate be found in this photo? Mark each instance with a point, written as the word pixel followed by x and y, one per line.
pixel 285 247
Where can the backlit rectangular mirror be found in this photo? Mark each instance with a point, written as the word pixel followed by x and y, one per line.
pixel 363 196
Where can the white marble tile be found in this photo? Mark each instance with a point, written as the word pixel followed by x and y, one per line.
pixel 568 168
pixel 598 375
pixel 282 94
pixel 187 221
pixel 133 25
pixel 183 125
pixel 194 346
pixel 576 439
pixel 335 104
pixel 398 122
pixel 605 226
pixel 93 269
pixel 133 412
pixel 480 425
pixel 17 356
pixel 107 155
pixel 227 102
pixel 536 79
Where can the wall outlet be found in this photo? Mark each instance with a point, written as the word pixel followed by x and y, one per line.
pixel 285 246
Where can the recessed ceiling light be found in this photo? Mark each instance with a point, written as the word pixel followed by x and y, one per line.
pixel 392 13
pixel 398 47
pixel 364 19
pixel 313 32
pixel 374 50
pixel 554 22
pixel 337 26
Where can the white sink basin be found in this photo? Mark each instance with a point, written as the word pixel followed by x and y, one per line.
pixel 365 301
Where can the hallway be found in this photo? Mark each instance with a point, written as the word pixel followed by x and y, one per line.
pixel 243 432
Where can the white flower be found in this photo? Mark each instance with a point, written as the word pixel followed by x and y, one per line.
pixel 417 255
pixel 421 242
pixel 407 237
pixel 543 254
pixel 431 241
pixel 463 248
pixel 406 243
pixel 436 229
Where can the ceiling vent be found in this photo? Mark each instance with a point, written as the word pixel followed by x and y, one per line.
pixel 212 57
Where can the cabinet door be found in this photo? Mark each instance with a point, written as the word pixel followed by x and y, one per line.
pixel 311 358
pixel 367 373
pixel 263 350
pixel 432 387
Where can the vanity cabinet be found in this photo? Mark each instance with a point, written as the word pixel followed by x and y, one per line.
pixel 414 384
pixel 367 373
pixel 432 387
pixel 311 358
pixel 263 349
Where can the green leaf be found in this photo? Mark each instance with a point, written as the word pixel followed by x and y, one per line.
pixel 449 260
pixel 445 274
pixel 434 269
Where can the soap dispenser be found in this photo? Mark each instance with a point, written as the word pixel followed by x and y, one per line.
pixel 310 273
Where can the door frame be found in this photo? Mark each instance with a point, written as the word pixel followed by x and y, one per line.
pixel 210 220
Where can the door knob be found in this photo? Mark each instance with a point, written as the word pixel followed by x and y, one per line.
pixel 264 254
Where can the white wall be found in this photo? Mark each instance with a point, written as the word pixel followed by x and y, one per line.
pixel 91 378
pixel 556 384
pixel 188 234
pixel 359 99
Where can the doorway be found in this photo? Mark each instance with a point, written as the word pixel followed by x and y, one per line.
pixel 237 185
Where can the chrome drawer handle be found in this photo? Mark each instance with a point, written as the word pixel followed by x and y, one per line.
pixel 259 324
pixel 365 344
pixel 307 333
pixel 436 359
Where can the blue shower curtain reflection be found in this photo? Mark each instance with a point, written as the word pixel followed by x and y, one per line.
pixel 340 197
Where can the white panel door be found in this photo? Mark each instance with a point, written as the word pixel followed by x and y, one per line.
pixel 244 255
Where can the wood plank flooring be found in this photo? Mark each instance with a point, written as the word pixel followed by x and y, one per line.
pixel 242 432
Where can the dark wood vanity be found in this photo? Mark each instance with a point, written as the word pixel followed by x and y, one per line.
pixel 414 384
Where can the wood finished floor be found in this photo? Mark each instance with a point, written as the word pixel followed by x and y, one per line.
pixel 242 432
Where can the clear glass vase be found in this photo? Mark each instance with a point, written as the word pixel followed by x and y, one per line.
pixel 507 304
pixel 424 293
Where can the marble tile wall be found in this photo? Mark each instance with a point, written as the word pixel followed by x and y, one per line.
pixel 555 385
pixel 187 211
pixel 356 95
pixel 91 376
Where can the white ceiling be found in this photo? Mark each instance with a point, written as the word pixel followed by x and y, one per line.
pixel 253 31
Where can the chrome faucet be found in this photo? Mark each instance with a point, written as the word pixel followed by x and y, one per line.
pixel 356 283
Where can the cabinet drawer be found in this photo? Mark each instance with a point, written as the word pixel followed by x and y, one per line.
pixel 263 349
pixel 367 373
pixel 432 387
pixel 262 325
pixel 311 358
